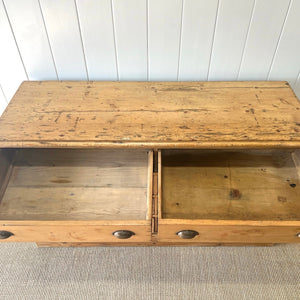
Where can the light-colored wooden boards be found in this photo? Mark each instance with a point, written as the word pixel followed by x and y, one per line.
pixel 76 233
pixel 230 185
pixel 57 184
pixel 235 233
pixel 145 244
pixel 152 115
pixel 72 203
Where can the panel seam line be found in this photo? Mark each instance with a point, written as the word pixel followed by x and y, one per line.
pixel 279 39
pixel 213 41
pixel 13 34
pixel 48 39
pixel 81 40
pixel 115 40
pixel 180 39
pixel 246 40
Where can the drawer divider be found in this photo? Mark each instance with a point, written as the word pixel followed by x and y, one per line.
pixel 155 194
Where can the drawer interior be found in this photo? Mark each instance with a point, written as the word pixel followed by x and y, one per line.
pixel 230 185
pixel 70 184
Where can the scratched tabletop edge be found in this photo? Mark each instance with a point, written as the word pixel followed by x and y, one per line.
pixel 109 114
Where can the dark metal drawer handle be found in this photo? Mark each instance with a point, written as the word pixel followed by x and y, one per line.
pixel 187 234
pixel 123 234
pixel 5 234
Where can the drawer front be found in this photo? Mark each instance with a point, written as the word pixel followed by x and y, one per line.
pixel 193 234
pixel 75 233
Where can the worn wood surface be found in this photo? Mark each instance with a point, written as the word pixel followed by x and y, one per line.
pixel 6 158
pixel 149 186
pixel 83 232
pixel 152 114
pixel 235 233
pixel 230 185
pixel 147 244
pixel 65 184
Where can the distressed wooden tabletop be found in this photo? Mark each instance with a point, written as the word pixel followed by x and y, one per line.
pixel 152 115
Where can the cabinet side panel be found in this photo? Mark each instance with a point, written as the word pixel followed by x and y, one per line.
pixel 6 166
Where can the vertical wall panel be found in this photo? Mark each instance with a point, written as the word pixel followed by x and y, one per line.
pixel 95 18
pixel 3 103
pixel 286 64
pixel 164 38
pixel 264 32
pixel 148 39
pixel 28 27
pixel 12 72
pixel 64 34
pixel 296 86
pixel 230 37
pixel 130 20
pixel 198 26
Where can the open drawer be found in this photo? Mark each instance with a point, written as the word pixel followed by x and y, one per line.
pixel 68 195
pixel 229 197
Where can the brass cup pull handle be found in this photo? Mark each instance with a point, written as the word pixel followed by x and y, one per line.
pixel 5 234
pixel 187 234
pixel 123 234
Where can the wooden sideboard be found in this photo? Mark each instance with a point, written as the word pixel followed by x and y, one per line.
pixel 150 163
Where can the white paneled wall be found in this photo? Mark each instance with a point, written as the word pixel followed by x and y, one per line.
pixel 264 33
pixel 12 70
pixel 30 33
pixel 197 32
pixel 130 38
pixel 148 40
pixel 97 31
pixel 232 24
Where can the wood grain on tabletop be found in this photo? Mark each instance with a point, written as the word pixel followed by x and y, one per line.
pixel 152 114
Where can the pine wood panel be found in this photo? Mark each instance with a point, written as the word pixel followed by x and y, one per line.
pixel 6 158
pixel 147 244
pixel 73 203
pixel 78 168
pixel 77 185
pixel 230 185
pixel 234 233
pixel 152 114
pixel 233 218
pixel 41 232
